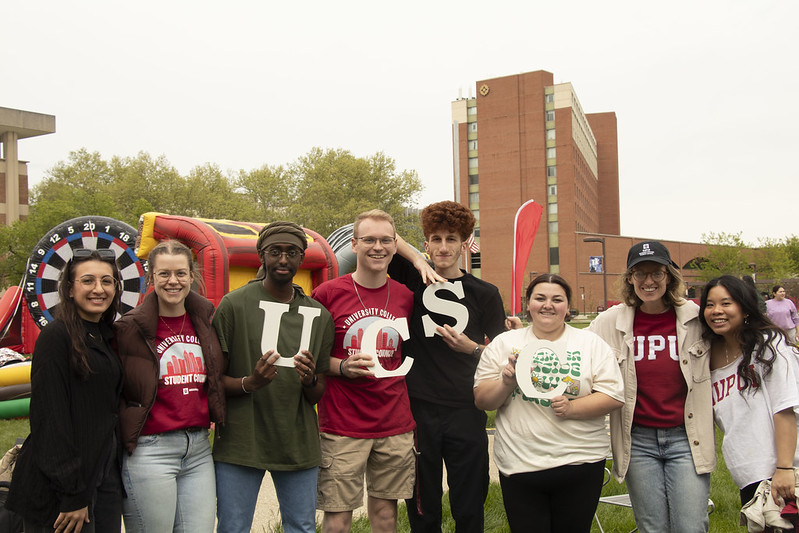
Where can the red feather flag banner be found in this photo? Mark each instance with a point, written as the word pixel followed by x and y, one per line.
pixel 524 227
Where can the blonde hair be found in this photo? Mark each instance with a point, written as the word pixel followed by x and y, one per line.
pixel 377 214
pixel 675 288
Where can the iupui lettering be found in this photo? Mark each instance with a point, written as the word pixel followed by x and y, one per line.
pixel 369 345
pixel 653 345
pixel 450 308
pixel 273 314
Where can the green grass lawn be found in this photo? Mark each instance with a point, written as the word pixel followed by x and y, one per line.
pixel 615 519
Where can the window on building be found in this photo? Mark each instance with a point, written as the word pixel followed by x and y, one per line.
pixel 476 214
pixel 550 135
pixel 471 110
pixel 474 197
pixel 553 209
pixel 476 232
pixel 475 260
pixel 553 227
pixel 554 256
pixel 551 172
pixel 549 98
pixel 472 162
pixel 550 116
pixel 472 179
pixel 552 190
pixel 550 153
pixel 472 145
pixel 473 127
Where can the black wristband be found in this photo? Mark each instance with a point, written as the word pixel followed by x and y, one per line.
pixel 312 384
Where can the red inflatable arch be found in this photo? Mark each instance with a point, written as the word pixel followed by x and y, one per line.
pixel 226 253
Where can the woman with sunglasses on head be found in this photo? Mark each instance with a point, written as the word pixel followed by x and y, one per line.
pixel 754 376
pixel 67 475
pixel 662 439
pixel 550 449
pixel 172 392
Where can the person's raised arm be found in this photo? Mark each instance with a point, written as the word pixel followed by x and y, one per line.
pixel 427 272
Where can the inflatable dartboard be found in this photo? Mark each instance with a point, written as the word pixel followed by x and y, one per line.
pixel 54 250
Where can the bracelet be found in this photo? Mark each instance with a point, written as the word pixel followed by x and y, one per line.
pixel 242 385
pixel 341 367
pixel 784 468
pixel 312 384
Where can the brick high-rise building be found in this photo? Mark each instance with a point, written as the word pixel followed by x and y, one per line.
pixel 524 137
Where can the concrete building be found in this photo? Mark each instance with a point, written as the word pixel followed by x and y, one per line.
pixel 524 137
pixel 16 125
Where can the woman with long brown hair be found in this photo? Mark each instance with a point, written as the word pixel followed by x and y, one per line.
pixel 172 393
pixel 67 475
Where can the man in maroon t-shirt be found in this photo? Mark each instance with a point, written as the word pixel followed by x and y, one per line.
pixel 364 416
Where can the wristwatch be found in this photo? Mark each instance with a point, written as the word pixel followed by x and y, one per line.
pixel 477 350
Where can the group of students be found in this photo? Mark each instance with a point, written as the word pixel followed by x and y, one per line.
pixel 121 410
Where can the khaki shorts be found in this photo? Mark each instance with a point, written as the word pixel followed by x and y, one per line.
pixel 389 464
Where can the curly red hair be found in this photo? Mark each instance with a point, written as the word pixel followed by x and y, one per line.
pixel 450 216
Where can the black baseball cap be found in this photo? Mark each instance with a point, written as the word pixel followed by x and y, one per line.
pixel 649 251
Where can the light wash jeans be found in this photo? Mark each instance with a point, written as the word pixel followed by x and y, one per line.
pixel 666 492
pixel 237 493
pixel 170 484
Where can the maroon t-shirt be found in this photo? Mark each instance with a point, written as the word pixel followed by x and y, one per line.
pixel 182 397
pixel 366 407
pixel 661 386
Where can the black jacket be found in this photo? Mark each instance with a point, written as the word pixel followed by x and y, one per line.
pixel 73 422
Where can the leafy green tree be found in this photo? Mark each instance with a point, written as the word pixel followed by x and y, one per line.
pixel 322 190
pixel 727 254
pixel 269 191
pixel 333 186
pixel 773 260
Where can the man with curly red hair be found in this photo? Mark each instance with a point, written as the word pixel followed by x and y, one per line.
pixel 452 316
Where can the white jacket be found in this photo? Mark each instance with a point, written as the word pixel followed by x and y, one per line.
pixel 615 326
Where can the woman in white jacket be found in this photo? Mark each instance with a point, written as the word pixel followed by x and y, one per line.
pixel 662 439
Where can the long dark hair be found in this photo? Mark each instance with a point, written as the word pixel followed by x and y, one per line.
pixel 757 334
pixel 67 312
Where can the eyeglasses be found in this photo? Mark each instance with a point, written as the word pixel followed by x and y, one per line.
pixel 105 254
pixel 370 241
pixel 166 275
pixel 89 282
pixel 290 254
pixel 657 275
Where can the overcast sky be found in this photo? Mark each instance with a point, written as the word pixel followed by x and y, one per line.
pixel 705 92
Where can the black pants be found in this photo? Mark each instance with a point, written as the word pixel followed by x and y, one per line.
pixel 105 510
pixel 558 500
pixel 455 437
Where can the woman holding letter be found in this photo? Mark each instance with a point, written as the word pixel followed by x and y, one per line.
pixel 551 441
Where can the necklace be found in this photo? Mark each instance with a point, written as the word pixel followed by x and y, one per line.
pixel 172 330
pixel 727 355
pixel 358 294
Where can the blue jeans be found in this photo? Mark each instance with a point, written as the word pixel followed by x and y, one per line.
pixel 666 492
pixel 170 483
pixel 237 489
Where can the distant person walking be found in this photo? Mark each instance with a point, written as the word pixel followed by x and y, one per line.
pixel 782 312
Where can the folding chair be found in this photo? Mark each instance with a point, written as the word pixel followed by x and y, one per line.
pixel 623 500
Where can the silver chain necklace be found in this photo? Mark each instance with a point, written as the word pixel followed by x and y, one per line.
pixel 358 294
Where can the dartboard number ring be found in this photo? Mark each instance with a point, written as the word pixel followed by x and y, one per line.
pixel 54 250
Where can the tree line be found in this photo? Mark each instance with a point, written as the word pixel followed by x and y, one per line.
pixel 322 190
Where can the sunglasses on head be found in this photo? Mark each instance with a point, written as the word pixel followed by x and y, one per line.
pixel 105 254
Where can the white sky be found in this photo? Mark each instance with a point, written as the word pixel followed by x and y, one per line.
pixel 705 92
